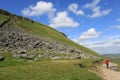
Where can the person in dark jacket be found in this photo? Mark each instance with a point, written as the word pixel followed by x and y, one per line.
pixel 107 62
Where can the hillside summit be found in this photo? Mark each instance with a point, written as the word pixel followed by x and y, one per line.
pixel 24 38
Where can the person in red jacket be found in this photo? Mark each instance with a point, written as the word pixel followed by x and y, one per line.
pixel 107 63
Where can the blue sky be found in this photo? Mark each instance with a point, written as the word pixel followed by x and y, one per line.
pixel 92 23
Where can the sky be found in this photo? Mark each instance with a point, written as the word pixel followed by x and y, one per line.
pixel 92 23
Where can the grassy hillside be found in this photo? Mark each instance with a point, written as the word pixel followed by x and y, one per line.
pixel 3 18
pixel 48 32
pixel 47 70
pixel 42 69
pixel 41 30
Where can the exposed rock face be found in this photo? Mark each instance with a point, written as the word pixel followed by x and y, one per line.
pixel 21 42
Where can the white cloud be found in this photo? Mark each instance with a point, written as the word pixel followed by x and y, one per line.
pixel 108 45
pixel 117 26
pixel 63 20
pixel 74 8
pixel 118 19
pixel 93 4
pixel 97 12
pixel 39 9
pixel 91 33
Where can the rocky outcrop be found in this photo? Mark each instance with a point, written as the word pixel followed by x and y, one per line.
pixel 16 39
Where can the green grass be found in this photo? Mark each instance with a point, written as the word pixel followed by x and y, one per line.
pixel 41 30
pixel 47 70
pixel 3 18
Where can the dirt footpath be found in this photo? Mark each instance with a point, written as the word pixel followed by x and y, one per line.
pixel 111 73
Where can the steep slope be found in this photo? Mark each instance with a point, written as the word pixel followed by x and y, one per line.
pixel 25 38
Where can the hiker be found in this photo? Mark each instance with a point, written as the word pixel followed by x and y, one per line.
pixel 107 63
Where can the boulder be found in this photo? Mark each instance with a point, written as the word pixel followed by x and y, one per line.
pixel 56 57
pixel 78 57
pixel 1 58
pixel 31 56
